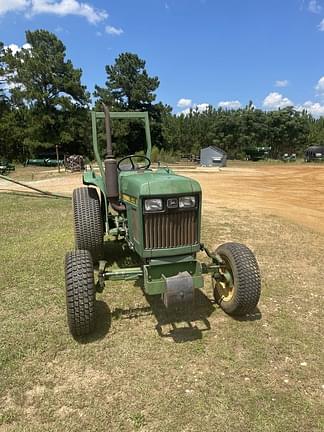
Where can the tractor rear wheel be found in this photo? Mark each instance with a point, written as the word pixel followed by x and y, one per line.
pixel 80 292
pixel 237 286
pixel 88 223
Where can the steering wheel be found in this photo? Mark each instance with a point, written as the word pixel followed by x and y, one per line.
pixel 134 166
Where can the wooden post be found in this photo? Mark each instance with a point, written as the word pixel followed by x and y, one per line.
pixel 57 158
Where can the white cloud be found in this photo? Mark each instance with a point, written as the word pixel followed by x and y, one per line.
pixel 184 103
pixel 313 108
pixel 56 7
pixel 321 25
pixel 202 107
pixel 320 85
pixel 13 5
pixel 68 7
pixel 230 104
pixel 276 100
pixel 281 83
pixel 113 30
pixel 15 48
pixel 196 107
pixel 314 7
pixel 26 46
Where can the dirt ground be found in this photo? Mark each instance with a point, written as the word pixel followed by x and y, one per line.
pixel 293 192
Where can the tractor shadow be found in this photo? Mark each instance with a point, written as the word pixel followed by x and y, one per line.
pixel 256 315
pixel 183 324
pixel 117 254
pixel 103 324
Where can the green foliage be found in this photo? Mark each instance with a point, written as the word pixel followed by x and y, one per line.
pixel 12 132
pixel 284 130
pixel 138 420
pixel 316 135
pixel 47 101
pixel 41 76
pixel 155 154
pixel 163 156
pixel 130 88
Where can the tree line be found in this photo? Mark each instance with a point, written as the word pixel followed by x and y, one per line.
pixel 43 104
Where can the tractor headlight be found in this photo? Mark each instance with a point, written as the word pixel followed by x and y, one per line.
pixel 187 202
pixel 153 204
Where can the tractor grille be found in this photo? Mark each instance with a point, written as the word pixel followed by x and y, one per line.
pixel 170 229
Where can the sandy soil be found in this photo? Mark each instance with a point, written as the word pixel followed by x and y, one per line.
pixel 294 192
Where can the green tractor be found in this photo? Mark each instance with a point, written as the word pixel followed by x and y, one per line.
pixel 157 214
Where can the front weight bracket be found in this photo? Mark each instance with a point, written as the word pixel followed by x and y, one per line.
pixel 179 290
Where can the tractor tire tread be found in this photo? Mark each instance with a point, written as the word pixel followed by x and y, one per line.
pixel 88 224
pixel 80 292
pixel 247 279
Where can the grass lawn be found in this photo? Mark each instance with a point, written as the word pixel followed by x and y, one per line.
pixel 141 370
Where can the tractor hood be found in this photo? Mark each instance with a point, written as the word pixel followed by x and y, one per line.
pixel 156 183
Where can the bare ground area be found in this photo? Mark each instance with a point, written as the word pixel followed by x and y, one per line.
pixel 294 192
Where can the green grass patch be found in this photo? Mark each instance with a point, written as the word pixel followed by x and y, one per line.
pixel 143 371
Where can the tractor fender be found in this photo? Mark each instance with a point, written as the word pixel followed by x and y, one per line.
pixel 90 178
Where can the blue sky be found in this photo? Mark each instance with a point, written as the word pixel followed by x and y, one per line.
pixel 224 52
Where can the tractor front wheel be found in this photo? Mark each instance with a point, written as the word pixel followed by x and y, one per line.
pixel 237 285
pixel 80 292
pixel 88 223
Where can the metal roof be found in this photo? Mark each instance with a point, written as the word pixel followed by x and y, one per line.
pixel 315 148
pixel 215 148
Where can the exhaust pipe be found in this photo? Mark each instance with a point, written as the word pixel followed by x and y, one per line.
pixel 109 151
pixel 111 174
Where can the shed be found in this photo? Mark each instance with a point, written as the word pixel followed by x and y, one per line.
pixel 213 156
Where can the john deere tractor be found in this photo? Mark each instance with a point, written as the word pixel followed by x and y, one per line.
pixel 157 214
